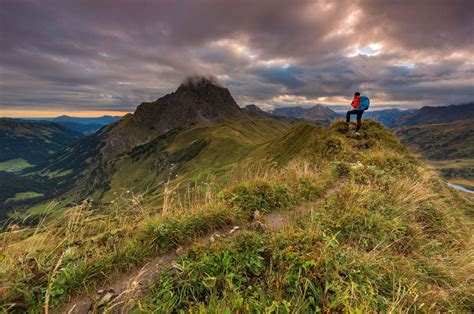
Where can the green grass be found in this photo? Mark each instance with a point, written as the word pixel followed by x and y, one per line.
pixel 449 147
pixel 390 236
pixel 14 165
pixel 440 141
pixel 24 196
pixel 382 243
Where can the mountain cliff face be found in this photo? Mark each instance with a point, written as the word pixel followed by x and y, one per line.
pixel 197 101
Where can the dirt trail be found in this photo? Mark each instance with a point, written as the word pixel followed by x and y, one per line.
pixel 117 296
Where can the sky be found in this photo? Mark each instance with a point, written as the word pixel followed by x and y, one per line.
pixel 93 57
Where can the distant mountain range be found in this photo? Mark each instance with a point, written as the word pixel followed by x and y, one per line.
pixel 318 113
pixel 103 120
pixel 391 118
pixel 85 126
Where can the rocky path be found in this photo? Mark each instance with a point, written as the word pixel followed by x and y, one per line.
pixel 119 294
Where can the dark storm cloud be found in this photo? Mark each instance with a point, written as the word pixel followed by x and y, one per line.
pixel 112 55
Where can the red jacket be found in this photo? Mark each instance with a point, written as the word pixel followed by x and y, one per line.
pixel 356 102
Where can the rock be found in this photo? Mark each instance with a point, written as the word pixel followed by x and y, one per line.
pixel 258 226
pixel 105 296
pixel 257 215
pixel 234 229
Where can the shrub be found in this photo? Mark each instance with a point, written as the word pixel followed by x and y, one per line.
pixel 307 189
pixel 259 195
pixel 340 169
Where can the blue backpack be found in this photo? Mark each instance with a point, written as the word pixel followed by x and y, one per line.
pixel 364 103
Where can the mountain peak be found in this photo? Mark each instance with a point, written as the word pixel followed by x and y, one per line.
pixel 199 100
pixel 200 81
pixel 253 109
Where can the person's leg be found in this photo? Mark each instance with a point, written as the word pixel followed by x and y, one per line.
pixel 348 115
pixel 359 118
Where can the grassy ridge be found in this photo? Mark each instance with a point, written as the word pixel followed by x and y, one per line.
pixel 394 238
pixel 391 237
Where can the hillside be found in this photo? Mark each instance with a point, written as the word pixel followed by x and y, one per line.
pixel 441 114
pixel 449 147
pixel 440 141
pixel 317 113
pixel 329 222
pixel 32 142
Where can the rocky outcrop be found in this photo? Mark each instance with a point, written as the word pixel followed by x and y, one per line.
pixel 197 101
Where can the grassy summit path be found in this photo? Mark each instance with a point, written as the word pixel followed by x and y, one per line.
pixel 120 293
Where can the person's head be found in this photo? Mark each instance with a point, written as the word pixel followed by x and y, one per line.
pixel 356 94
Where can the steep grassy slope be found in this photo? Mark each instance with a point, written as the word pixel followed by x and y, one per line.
pixel 189 157
pixel 380 233
pixel 390 237
pixel 184 157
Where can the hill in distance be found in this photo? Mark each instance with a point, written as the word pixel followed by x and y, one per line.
pixel 392 118
pixel 32 142
pixel 388 117
pixel 85 126
pixel 318 113
pixel 449 147
pixel 441 114
pixel 103 120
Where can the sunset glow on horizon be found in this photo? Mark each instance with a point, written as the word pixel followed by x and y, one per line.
pixel 57 113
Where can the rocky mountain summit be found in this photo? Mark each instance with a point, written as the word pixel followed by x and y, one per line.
pixel 198 100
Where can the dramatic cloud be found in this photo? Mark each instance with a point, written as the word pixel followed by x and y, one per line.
pixel 112 55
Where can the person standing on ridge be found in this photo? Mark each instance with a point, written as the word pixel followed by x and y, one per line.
pixel 360 104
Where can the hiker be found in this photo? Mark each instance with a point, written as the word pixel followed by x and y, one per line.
pixel 360 104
